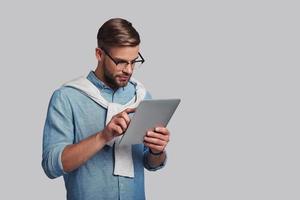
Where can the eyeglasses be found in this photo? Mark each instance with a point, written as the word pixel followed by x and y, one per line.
pixel 122 64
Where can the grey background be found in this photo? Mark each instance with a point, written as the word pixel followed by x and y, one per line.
pixel 234 64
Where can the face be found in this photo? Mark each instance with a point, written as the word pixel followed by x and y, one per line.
pixel 110 73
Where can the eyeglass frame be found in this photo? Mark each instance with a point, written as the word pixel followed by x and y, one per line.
pixel 124 61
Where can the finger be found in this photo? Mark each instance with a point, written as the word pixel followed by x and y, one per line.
pixel 154 147
pixel 130 110
pixel 162 130
pixel 157 135
pixel 117 129
pixel 125 116
pixel 155 141
pixel 121 122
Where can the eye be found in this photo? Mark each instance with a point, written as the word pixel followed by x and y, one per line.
pixel 121 62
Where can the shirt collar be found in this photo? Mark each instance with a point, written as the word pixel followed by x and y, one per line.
pixel 98 83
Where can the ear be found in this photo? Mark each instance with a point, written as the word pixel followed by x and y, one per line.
pixel 98 53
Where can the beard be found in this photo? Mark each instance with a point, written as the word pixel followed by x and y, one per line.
pixel 116 81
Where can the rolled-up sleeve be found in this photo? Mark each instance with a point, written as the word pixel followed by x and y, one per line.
pixel 146 162
pixel 58 133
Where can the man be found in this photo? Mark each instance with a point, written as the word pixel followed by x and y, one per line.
pixel 86 116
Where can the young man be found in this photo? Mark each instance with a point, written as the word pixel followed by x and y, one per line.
pixel 88 115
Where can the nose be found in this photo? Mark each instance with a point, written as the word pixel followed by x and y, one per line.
pixel 128 68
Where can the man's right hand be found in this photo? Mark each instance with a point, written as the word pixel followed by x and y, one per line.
pixel 75 155
pixel 117 125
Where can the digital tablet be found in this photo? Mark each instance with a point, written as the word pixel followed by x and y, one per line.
pixel 148 115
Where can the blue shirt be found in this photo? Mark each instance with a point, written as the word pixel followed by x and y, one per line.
pixel 72 117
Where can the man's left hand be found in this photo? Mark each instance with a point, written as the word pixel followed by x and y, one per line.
pixel 157 140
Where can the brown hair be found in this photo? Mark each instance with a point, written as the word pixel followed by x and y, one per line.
pixel 117 32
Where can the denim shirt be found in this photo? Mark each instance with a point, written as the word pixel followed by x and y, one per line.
pixel 72 117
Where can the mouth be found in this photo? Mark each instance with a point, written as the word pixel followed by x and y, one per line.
pixel 123 78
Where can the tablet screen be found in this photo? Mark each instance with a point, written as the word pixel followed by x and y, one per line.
pixel 148 115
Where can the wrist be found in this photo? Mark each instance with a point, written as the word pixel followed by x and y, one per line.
pixel 156 153
pixel 105 136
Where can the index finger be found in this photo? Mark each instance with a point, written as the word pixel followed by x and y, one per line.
pixel 162 130
pixel 129 110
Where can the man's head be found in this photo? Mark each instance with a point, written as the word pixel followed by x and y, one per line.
pixel 117 52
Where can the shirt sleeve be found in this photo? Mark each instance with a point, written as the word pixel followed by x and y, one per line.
pixel 146 162
pixel 58 133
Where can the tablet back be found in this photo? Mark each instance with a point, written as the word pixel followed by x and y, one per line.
pixel 149 114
